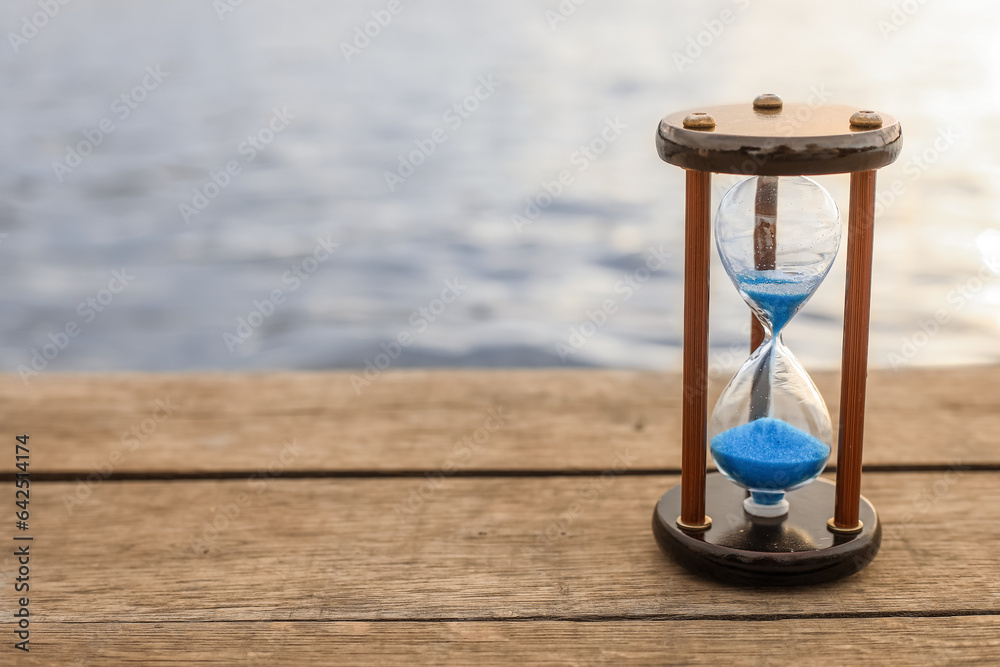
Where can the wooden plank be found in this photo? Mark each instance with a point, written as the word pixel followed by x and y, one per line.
pixel 881 641
pixel 490 548
pixel 412 420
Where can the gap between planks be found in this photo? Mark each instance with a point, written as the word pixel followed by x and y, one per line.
pixel 167 476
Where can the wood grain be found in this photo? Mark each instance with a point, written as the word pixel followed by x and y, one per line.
pixel 694 416
pixel 413 420
pixel 764 249
pixel 881 641
pixel 764 246
pixel 795 140
pixel 854 364
pixel 529 567
pixel 486 549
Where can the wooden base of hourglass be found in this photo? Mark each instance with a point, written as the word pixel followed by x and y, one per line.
pixel 792 550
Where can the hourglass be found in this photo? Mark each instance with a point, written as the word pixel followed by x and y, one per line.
pixel 770 434
pixel 770 431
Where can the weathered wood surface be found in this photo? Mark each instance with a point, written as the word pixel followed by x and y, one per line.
pixel 411 420
pixel 495 548
pixel 544 555
pixel 870 641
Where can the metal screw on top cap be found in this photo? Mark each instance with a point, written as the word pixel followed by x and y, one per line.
pixel 767 101
pixel 699 120
pixel 866 120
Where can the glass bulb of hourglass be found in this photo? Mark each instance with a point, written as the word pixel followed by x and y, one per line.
pixel 770 430
pixel 777 262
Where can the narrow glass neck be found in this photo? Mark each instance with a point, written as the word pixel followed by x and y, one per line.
pixel 769 333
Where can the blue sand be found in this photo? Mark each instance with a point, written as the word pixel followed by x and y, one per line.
pixel 769 454
pixel 780 298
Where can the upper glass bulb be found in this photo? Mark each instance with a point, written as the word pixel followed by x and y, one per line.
pixel 776 273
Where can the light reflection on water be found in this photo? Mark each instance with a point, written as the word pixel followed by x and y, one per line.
pixel 526 292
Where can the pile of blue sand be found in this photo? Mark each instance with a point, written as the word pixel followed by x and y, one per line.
pixel 769 454
pixel 780 295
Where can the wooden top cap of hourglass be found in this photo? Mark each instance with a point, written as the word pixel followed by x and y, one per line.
pixel 771 138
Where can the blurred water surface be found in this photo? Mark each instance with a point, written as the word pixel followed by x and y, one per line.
pixel 309 129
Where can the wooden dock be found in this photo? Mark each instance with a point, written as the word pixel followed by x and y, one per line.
pixel 464 517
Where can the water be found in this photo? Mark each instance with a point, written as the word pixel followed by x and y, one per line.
pixel 578 276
